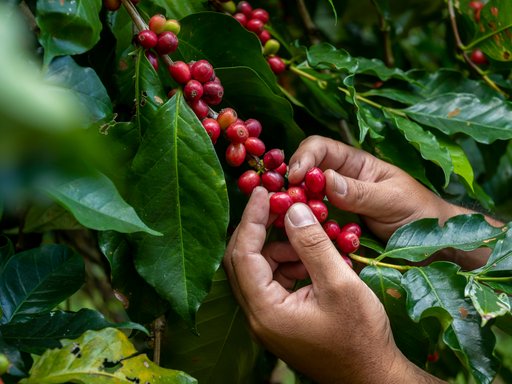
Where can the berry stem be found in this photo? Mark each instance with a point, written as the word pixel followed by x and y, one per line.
pixel 368 261
pixel 487 278
pixel 134 14
pixel 308 22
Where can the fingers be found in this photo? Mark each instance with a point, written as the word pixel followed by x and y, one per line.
pixel 317 252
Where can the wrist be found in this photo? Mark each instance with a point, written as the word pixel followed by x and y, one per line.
pixel 404 372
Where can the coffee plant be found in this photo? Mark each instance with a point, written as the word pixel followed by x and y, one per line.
pixel 132 132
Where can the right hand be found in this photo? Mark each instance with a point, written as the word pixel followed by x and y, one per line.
pixel 385 196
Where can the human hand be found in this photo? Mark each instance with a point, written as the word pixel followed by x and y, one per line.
pixel 334 330
pixel 385 196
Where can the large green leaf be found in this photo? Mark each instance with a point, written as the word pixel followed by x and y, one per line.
pixel 175 9
pixel 501 257
pixel 223 339
pixel 409 336
pixel 35 281
pixel 488 303
pixel 179 189
pixel 486 120
pixel 100 357
pixel 326 56
pixel 437 290
pixel 426 143
pixel 40 332
pixel 418 240
pixel 16 364
pixel 96 204
pixel 49 217
pixel 68 27
pixel 500 184
pixel 85 84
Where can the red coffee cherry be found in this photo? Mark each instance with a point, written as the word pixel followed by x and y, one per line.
pixel 244 7
pixel 433 357
pixel 202 71
pixel 235 154
pixel 264 36
pixel 212 128
pixel 272 181
pixel 476 5
pixel 254 146
pixel 148 39
pixel 157 23
pixel 332 229
pixel 241 18
pixel 248 181
pixel 347 242
pixel 279 222
pixel 152 58
pixel 254 25
pixel 280 202
pixel 254 127
pixel 319 209
pixel 237 133
pixel 180 72
pixel 113 5
pixel 193 90
pixel 273 158
pixel 226 117
pixel 352 227
pixel 478 57
pixel 260 14
pixel 277 64
pixel 297 194
pixel 282 169
pixel 200 108
pixel 167 43
pixel 315 180
pixel 213 92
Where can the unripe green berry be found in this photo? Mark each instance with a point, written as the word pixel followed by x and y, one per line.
pixel 173 26
pixel 4 364
pixel 229 7
pixel 271 47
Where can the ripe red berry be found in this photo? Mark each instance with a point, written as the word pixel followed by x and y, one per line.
pixel 241 18
pixel 202 71
pixel 148 39
pixel 212 128
pixel 260 14
pixel 152 58
pixel 193 90
pixel 297 194
pixel 167 43
pixel 264 36
pixel 347 242
pixel 254 146
pixel 273 158
pixel 255 25
pixel 352 227
pixel 254 127
pixel 478 57
pixel 200 108
pixel 433 357
pixel 279 222
pixel 112 5
pixel 280 202
pixel 319 209
pixel 213 92
pixel 244 7
pixel 277 64
pixel 180 72
pixel 476 5
pixel 273 181
pixel 282 169
pixel 235 154
pixel 315 180
pixel 226 117
pixel 248 181
pixel 157 23
pixel 237 133
pixel 332 229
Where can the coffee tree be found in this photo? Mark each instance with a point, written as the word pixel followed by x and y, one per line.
pixel 132 133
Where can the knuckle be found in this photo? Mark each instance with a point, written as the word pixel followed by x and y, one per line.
pixel 314 241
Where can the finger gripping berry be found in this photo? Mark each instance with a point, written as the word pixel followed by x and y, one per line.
pixel 248 181
pixel 280 202
pixel 273 158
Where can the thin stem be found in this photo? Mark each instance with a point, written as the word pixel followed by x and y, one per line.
pixel 489 278
pixel 134 14
pixel 368 261
pixel 308 22
pixel 388 50
pixel 158 330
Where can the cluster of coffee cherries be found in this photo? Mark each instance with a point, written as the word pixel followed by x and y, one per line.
pixel 254 20
pixel 161 37
pixel 477 56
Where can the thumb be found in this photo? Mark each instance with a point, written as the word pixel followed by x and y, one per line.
pixel 352 195
pixel 323 262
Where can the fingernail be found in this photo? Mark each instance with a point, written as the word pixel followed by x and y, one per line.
pixel 300 215
pixel 340 184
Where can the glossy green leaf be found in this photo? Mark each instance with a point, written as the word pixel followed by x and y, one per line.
pixel 437 290
pixel 180 190
pixel 377 68
pixel 223 338
pixel 176 9
pixel 6 251
pixel 500 259
pixel 326 56
pixel 485 120
pixel 100 357
pixel 420 239
pixel 16 365
pixel 85 84
pixel 96 204
pixel 40 332
pixel 399 95
pixel 505 287
pixel 500 184
pixel 409 336
pixel 50 217
pixel 35 281
pixel 68 27
pixel 487 303
pixel 426 143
